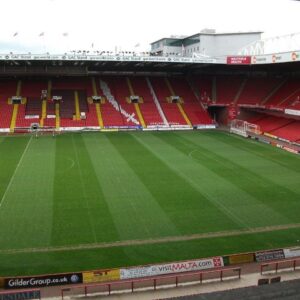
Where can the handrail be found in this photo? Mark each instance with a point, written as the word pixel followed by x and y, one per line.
pixel 154 280
pixel 277 264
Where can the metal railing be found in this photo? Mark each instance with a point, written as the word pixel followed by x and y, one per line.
pixel 274 267
pixel 152 283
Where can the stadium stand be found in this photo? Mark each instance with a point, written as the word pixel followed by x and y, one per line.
pixel 7 90
pixel 228 88
pixel 31 88
pixel 256 90
pixel 286 91
pixel 284 128
pixel 270 123
pixel 192 106
pixel 22 120
pixel 33 106
pixel 154 105
pixel 119 89
pixel 148 107
pixel 171 110
pixel 290 132
pixel 204 84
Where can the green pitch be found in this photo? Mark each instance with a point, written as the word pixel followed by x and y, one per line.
pixel 100 200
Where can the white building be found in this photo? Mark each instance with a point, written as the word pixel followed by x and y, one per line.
pixel 206 43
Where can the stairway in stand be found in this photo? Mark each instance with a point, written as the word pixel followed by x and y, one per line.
pixel 136 105
pixel 97 105
pixel 180 108
pixel 15 108
pixel 57 116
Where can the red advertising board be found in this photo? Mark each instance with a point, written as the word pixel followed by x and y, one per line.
pixel 238 60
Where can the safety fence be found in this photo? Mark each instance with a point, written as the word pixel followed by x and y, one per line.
pixel 152 283
pixel 274 267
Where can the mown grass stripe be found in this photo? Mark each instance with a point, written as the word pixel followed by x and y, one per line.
pixel 135 212
pixel 11 151
pixel 262 152
pixel 266 160
pixel 268 195
pixel 225 195
pixel 266 164
pixel 26 217
pixel 69 213
pixel 186 206
pixel 79 213
pixel 14 174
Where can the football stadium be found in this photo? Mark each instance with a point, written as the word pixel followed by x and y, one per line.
pixel 143 164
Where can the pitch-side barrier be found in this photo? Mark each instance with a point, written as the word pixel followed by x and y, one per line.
pixel 152 283
pixel 283 265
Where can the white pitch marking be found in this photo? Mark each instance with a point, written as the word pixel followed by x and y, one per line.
pixel 15 172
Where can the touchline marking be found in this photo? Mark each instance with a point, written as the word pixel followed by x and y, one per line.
pixel 167 239
pixel 15 172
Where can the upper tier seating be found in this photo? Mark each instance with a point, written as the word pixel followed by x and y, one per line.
pixel 256 90
pixel 170 110
pixel 173 114
pixel 285 91
pixel 33 107
pixel 21 120
pixel 67 105
pixel 227 88
pixel 148 107
pixel 32 88
pixel 192 107
pixel 8 89
pixel 119 89
pixel 204 85
pixel 83 105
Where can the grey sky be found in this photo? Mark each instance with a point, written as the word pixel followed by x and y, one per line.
pixel 126 23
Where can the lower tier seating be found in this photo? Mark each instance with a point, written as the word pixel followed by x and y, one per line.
pixel 173 114
pixel 196 114
pixel 289 132
pixel 281 127
pixel 150 114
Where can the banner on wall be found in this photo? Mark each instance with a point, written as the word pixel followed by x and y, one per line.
pixel 42 281
pixel 269 255
pixel 238 60
pixel 176 267
pixel 101 276
pixel 292 252
pixel 241 258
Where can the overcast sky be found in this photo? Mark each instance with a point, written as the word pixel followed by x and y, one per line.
pixel 60 25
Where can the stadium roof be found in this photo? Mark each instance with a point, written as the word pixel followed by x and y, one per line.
pixel 83 66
